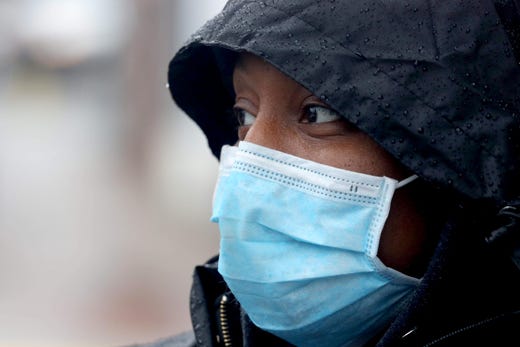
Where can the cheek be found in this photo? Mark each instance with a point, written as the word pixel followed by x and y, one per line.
pixel 403 240
pixel 378 162
pixel 242 132
pixel 362 155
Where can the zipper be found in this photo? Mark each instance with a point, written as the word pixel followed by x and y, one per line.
pixel 224 322
pixel 461 330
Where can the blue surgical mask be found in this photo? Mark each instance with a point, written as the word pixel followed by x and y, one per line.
pixel 299 244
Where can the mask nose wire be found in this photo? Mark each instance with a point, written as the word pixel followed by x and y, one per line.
pixel 406 181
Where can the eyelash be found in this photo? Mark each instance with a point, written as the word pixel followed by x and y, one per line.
pixel 309 116
pixel 331 113
pixel 239 115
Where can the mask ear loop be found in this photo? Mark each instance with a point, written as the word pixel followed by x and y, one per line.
pixel 406 181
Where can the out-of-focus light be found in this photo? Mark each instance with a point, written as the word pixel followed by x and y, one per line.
pixel 63 33
pixel 8 21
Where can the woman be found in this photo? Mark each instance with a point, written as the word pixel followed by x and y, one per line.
pixel 371 197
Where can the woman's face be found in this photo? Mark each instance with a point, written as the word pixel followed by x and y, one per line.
pixel 276 112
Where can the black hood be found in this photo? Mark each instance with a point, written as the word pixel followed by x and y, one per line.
pixel 436 83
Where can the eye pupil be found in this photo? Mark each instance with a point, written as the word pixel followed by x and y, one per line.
pixel 243 117
pixel 320 114
pixel 239 115
pixel 313 115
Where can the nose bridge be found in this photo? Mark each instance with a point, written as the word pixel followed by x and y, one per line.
pixel 270 129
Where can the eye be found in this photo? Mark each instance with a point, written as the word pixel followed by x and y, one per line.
pixel 243 117
pixel 319 114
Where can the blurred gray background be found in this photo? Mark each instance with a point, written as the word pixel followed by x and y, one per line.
pixel 105 186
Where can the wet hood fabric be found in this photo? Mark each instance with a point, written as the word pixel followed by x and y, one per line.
pixel 436 83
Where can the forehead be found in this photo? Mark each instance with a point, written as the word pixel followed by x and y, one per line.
pixel 249 66
pixel 246 61
pixel 251 71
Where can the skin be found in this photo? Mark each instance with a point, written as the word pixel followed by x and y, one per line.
pixel 276 112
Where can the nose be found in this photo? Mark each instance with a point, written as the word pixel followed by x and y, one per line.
pixel 272 131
